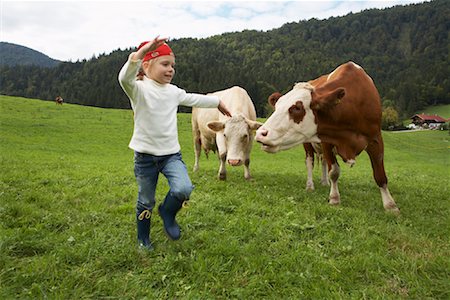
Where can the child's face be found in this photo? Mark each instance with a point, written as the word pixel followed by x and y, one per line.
pixel 160 69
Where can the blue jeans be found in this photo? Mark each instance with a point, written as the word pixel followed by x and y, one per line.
pixel 147 168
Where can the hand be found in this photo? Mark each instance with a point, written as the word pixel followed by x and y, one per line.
pixel 223 109
pixel 150 46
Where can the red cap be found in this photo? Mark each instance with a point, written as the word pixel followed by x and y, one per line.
pixel 162 50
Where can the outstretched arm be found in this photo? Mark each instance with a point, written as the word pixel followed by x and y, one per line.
pixel 223 109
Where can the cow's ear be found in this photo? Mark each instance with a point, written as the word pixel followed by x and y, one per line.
pixel 216 126
pixel 274 98
pixel 253 124
pixel 326 100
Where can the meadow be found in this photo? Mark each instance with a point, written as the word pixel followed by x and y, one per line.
pixel 67 205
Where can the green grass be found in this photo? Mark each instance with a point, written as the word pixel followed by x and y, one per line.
pixel 442 110
pixel 67 203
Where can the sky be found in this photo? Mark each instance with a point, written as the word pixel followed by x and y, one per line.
pixel 77 30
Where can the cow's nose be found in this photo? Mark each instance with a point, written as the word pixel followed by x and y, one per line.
pixel 261 132
pixel 235 162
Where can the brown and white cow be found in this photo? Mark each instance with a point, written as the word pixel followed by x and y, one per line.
pixel 311 150
pixel 59 100
pixel 341 110
pixel 231 137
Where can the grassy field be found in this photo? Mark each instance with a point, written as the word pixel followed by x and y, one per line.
pixel 67 230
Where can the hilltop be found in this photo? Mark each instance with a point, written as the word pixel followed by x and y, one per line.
pixel 13 55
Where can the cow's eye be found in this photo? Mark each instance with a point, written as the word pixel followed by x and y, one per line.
pixel 245 137
pixel 297 112
pixel 295 109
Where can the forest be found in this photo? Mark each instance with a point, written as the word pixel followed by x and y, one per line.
pixel 405 50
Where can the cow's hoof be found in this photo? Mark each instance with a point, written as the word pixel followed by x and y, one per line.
pixel 222 176
pixel 392 210
pixel 310 187
pixel 334 201
pixel 324 182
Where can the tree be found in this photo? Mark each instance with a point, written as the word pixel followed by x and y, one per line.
pixel 407 60
pixel 389 118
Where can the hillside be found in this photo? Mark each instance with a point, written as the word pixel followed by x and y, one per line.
pixel 13 55
pixel 404 49
pixel 440 110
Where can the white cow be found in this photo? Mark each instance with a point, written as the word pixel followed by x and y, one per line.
pixel 231 137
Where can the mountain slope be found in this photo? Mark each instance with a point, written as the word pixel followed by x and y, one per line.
pixel 404 49
pixel 12 55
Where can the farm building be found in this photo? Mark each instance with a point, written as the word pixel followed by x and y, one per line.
pixel 423 120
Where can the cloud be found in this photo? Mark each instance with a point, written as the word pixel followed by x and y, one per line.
pixel 73 30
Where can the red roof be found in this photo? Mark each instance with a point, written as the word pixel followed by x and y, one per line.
pixel 434 118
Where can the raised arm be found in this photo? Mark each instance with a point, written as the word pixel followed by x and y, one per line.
pixel 146 47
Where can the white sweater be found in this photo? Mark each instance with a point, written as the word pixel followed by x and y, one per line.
pixel 155 110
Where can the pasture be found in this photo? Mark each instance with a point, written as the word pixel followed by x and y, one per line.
pixel 67 204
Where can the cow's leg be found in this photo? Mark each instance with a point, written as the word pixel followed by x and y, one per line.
pixel 247 169
pixel 198 150
pixel 375 149
pixel 333 172
pixel 319 152
pixel 222 169
pixel 324 178
pixel 309 161
pixel 247 160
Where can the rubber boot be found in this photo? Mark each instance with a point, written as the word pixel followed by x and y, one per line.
pixel 143 217
pixel 168 211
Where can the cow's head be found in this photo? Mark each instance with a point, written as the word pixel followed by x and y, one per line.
pixel 236 136
pixel 294 120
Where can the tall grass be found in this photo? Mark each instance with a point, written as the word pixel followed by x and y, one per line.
pixel 68 230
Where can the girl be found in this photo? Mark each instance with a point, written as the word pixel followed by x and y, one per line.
pixel 155 101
